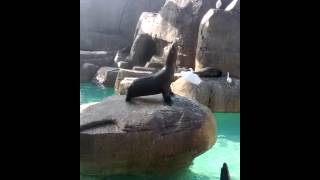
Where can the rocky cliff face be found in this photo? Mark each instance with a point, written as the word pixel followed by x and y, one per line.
pixel 111 24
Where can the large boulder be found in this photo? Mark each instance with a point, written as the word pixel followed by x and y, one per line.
pixel 219 40
pixel 144 136
pixel 201 93
pixel 214 93
pixel 87 72
pixel 143 48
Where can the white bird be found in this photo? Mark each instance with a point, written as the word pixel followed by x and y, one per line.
pixel 218 4
pixel 229 80
pixel 191 77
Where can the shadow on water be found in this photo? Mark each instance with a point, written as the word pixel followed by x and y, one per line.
pixel 186 174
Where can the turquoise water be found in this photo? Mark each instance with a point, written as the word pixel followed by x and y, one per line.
pixel 92 93
pixel 206 166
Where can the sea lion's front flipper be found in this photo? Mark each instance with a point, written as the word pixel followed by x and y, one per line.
pixel 167 97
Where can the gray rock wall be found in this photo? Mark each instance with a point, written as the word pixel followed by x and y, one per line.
pixel 109 24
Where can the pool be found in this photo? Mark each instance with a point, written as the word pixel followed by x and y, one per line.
pixel 206 166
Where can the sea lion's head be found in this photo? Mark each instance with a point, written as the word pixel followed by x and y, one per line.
pixel 172 55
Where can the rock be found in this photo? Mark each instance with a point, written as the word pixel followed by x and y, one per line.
pixel 156 62
pixel 124 85
pixel 146 136
pixel 106 76
pixel 139 68
pixel 219 41
pixel 176 19
pixel 179 70
pixel 124 65
pixel 85 106
pixel 87 72
pixel 123 73
pixel 208 72
pixel 199 93
pixel 122 54
pixel 111 24
pixel 142 50
pixel 154 65
pixel 158 59
pixel 98 58
pixel 212 92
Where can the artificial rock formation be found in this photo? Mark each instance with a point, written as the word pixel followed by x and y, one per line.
pixel 177 19
pixel 110 25
pixel 145 136
pixel 214 93
pixel 219 40
pixel 106 76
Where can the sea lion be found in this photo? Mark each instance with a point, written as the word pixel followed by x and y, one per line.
pixel 157 83
pixel 224 172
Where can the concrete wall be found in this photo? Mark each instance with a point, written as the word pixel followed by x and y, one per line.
pixel 109 24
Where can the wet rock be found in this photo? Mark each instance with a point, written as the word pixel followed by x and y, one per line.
pixel 106 76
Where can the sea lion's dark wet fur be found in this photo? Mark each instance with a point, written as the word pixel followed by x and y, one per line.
pixel 158 82
pixel 224 172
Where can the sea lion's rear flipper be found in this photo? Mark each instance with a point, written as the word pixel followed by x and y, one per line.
pixel 224 172
pixel 167 98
